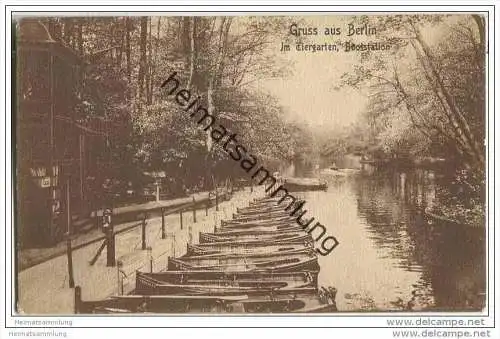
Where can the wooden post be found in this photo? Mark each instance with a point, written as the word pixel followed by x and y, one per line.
pixel 180 217
pixel 194 210
pixel 110 248
pixel 143 232
pixel 216 200
pixel 163 235
pixel 157 183
pixel 110 237
pixel 173 244
pixel 78 300
pixel 98 253
pixel 119 279
pixel 150 254
pixel 82 168
pixel 68 236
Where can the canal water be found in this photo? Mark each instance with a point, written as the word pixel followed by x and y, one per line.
pixel 388 257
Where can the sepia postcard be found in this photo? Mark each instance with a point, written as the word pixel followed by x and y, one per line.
pixel 301 164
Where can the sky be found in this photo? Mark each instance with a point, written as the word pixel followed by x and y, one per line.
pixel 309 94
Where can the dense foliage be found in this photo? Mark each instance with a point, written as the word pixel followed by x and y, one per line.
pixel 426 96
pixel 219 58
pixel 426 100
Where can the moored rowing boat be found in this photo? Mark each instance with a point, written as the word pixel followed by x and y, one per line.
pixel 295 237
pixel 212 248
pixel 305 184
pixel 302 263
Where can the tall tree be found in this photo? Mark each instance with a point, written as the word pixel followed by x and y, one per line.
pixel 219 42
pixel 142 59
pixel 149 92
pixel 424 83
pixel 128 52
pixel 192 51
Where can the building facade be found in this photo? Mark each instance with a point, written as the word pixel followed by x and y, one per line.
pixel 54 163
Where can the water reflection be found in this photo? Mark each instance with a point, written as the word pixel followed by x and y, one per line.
pixel 389 258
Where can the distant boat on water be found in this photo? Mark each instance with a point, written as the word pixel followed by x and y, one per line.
pixel 338 172
pixel 305 184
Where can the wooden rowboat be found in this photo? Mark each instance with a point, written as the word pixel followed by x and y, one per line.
pixel 249 244
pixel 266 203
pixel 273 236
pixel 195 250
pixel 273 306
pixel 276 265
pixel 229 259
pixel 159 304
pixel 321 308
pixel 227 225
pixel 263 230
pixel 433 218
pixel 250 227
pixel 261 216
pixel 275 221
pixel 149 286
pixel 243 278
pixel 201 249
pixel 251 211
pixel 305 251
pixel 305 184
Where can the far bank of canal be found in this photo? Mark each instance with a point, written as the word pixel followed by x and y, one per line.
pixel 388 259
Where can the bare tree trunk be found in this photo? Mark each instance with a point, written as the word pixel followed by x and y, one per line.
pixel 215 69
pixel 223 52
pixel 457 118
pixel 120 51
pixel 148 67
pixel 192 32
pixel 142 60
pixel 80 38
pixel 68 27
pixel 211 110
pixel 55 28
pixel 426 129
pixel 480 22
pixel 459 136
pixel 128 28
pixel 155 58
pixel 184 35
